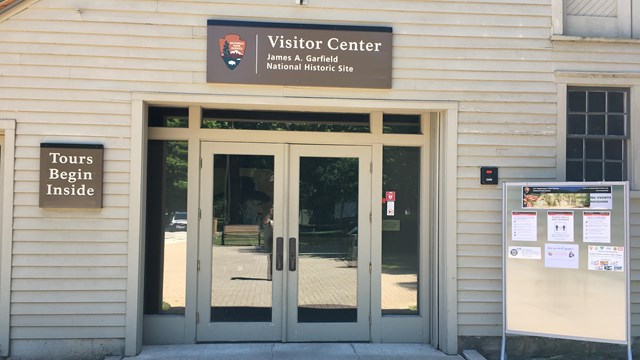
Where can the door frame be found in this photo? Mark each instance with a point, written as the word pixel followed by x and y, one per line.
pixel 284 325
pixel 361 329
pixel 232 331
pixel 440 124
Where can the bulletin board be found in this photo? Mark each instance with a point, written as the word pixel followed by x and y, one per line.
pixel 566 260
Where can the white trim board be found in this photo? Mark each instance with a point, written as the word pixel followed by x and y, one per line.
pixel 8 127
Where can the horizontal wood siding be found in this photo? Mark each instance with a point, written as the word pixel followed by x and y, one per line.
pixel 509 121
pixel 68 69
pixel 69 266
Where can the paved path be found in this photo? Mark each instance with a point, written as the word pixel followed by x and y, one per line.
pixel 240 279
pixel 293 351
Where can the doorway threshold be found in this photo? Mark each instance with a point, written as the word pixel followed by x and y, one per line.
pixel 293 351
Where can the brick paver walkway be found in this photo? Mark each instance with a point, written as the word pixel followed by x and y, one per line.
pixel 240 279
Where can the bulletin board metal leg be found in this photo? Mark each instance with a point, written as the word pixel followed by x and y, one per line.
pixel 629 356
pixel 503 352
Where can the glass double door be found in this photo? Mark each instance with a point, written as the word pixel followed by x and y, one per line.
pixel 284 243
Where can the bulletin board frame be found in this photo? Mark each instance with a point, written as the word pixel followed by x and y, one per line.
pixel 566 262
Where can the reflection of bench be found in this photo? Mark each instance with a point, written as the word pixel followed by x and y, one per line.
pixel 241 235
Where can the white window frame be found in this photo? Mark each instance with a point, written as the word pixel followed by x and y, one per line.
pixel 580 79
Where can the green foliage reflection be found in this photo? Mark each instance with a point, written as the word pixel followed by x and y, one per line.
pixel 176 155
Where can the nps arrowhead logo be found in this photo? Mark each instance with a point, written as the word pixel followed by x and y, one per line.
pixel 232 50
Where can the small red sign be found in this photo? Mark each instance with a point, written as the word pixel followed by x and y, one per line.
pixel 391 196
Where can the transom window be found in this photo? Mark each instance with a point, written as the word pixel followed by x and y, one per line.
pixel 597 134
pixel 284 120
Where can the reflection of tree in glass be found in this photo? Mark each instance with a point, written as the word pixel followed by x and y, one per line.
pixel 325 182
pixel 282 126
pixel 242 181
pixel 401 173
pixel 213 124
pixel 284 121
pixel 175 175
pixel 176 122
pixel 398 160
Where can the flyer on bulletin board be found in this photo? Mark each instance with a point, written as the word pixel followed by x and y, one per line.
pixel 596 226
pixel 563 256
pixel 524 226
pixel 606 258
pixel 560 226
pixel 525 252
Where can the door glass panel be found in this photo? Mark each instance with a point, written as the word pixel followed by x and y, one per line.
pixel 242 238
pixel 168 117
pixel 328 240
pixel 401 231
pixel 401 124
pixel 166 228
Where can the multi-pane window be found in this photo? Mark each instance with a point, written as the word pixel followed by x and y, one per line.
pixel 597 134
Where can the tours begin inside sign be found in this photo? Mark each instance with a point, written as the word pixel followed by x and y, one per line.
pixel 71 176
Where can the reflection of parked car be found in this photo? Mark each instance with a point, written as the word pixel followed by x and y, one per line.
pixel 178 221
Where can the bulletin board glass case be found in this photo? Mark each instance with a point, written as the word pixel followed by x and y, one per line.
pixel 566 260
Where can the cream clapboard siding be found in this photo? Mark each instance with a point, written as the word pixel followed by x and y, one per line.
pixel 68 68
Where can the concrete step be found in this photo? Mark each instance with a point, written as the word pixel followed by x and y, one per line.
pixel 293 351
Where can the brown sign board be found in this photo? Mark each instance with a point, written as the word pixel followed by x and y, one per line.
pixel 240 52
pixel 71 175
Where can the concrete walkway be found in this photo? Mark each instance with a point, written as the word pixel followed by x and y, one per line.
pixel 293 351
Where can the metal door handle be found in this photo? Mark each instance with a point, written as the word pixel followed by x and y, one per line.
pixel 292 254
pixel 279 251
